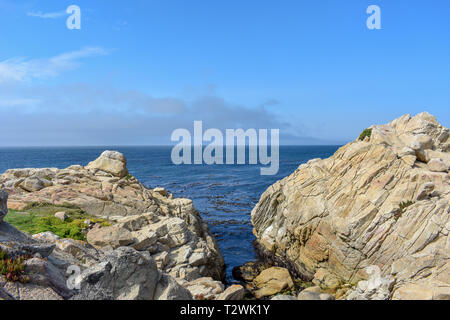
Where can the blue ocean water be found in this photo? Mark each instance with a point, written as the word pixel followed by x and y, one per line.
pixel 223 194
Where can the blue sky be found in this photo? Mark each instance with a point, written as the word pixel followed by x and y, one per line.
pixel 139 69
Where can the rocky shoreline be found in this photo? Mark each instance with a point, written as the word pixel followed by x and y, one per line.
pixel 371 222
pixel 162 239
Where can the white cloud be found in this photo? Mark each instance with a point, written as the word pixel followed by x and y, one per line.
pixel 48 15
pixel 21 69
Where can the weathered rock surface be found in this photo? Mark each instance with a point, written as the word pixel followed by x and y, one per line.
pixel 112 162
pixel 127 274
pixel 148 220
pixel 249 271
pixel 235 292
pixel 114 236
pixel 383 201
pixel 3 204
pixel 375 288
pixel 176 249
pixel 314 293
pixel 46 280
pixel 169 289
pixel 272 281
pixel 284 297
pixel 120 274
pixel 204 288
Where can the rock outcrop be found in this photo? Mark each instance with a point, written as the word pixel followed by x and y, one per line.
pixel 375 288
pixel 382 200
pixel 127 274
pixel 147 220
pixel 122 274
pixel 153 247
pixel 111 162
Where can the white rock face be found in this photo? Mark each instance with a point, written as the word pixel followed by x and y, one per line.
pixel 374 202
pixel 437 165
pixel 375 288
pixel 112 162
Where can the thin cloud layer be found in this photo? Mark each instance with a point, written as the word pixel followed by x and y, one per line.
pixel 91 115
pixel 48 15
pixel 22 69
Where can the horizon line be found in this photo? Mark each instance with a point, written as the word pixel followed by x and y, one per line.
pixel 161 145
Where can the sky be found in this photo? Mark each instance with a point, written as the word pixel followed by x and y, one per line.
pixel 137 70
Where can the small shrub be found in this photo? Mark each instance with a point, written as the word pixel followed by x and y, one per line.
pixel 365 133
pixel 402 209
pixel 3 254
pixel 13 268
pixel 404 205
pixel 128 177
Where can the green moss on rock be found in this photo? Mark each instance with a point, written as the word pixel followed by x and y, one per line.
pixel 38 218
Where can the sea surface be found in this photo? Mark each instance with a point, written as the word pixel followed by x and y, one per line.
pixel 223 194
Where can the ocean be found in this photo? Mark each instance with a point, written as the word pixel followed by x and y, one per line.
pixel 223 194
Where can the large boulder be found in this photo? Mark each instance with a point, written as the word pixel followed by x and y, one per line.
pixel 374 202
pixel 34 184
pixel 112 162
pixel 114 236
pixel 272 281
pixel 3 204
pixel 127 274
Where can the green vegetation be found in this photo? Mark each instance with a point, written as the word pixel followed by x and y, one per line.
pixel 39 218
pixel 365 133
pixel 402 208
pixel 128 177
pixel 404 205
pixel 13 268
